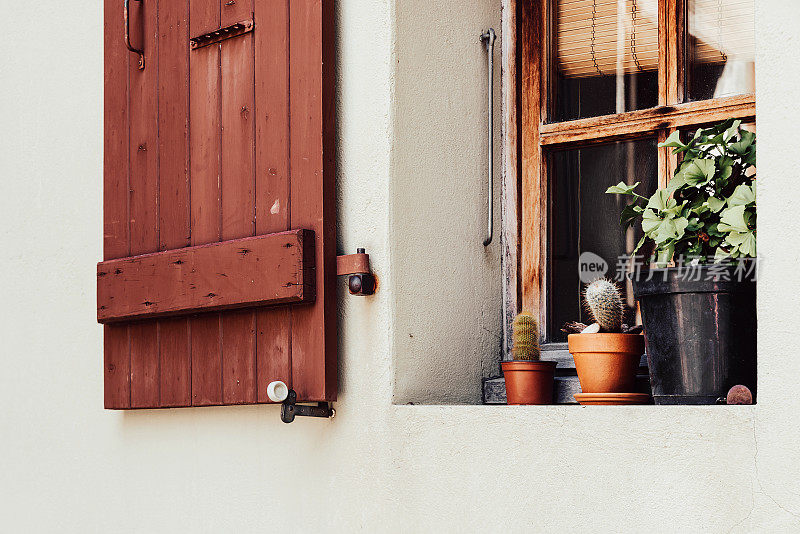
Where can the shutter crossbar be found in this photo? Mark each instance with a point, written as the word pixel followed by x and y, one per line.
pixel 255 271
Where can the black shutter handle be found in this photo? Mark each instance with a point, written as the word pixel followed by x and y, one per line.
pixel 128 35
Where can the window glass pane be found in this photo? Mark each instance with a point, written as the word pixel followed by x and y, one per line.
pixel 720 48
pixel 583 218
pixel 605 57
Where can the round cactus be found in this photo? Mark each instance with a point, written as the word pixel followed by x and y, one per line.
pixel 605 304
pixel 525 337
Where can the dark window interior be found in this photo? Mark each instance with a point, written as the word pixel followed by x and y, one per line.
pixel 577 98
pixel 584 218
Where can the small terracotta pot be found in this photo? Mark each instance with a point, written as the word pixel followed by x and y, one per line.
pixel 529 382
pixel 606 363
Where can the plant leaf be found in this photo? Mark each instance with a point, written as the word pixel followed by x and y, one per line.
pixel 629 214
pixel 622 188
pixel 744 242
pixel 677 181
pixel 665 255
pixel 639 244
pixel 721 254
pixel 650 221
pixel 673 141
pixel 742 196
pixel 699 171
pixel 741 146
pixel 715 204
pixel 661 201
pixel 732 220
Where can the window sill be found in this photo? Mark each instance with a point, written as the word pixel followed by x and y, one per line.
pixel 566 381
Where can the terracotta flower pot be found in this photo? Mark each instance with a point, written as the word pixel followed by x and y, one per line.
pixel 606 363
pixel 529 382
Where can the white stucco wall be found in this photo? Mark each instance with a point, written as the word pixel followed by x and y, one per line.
pixel 68 465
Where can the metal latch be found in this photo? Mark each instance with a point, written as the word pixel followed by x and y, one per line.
pixel 279 392
pixel 234 30
pixel 356 266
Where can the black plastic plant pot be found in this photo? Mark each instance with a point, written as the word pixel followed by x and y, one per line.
pixel 700 331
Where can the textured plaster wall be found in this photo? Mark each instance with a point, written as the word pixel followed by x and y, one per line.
pixel 69 466
pixel 447 303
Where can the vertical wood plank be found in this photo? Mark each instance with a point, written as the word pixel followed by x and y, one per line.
pixel 312 191
pixel 144 187
pixel 173 124
pixel 273 347
pixel 206 360
pixel 237 181
pixel 271 44
pixel 116 359
pixel 174 217
pixel 509 235
pixel 236 11
pixel 238 189
pixel 675 30
pixel 144 364
pixel 143 106
pixel 672 39
pixel 205 137
pixel 272 115
pixel 238 362
pixel 533 181
pixel 116 367
pixel 175 365
pixel 205 150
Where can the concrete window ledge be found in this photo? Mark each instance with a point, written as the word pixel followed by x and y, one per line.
pixel 566 383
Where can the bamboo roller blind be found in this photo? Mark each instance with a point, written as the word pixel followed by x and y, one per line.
pixel 609 37
pixel 724 30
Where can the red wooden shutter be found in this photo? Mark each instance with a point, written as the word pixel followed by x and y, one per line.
pixel 206 146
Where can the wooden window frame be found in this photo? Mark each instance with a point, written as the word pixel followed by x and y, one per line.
pixel 525 81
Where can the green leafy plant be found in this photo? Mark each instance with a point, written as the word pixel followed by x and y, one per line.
pixel 708 209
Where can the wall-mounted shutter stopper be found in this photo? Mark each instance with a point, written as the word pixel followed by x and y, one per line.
pixel 278 391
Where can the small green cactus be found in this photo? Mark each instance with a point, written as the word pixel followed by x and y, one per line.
pixel 605 304
pixel 526 337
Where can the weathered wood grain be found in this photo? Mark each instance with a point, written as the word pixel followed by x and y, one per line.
pixel 116 244
pixel 532 47
pixel 205 147
pixel 238 357
pixel 313 194
pixel 202 148
pixel 175 366
pixel 273 349
pixel 255 271
pixel 145 368
pixel 639 123
pixel 237 185
pixel 509 188
pixel 206 348
pixel 144 184
pixel 273 180
pixel 174 187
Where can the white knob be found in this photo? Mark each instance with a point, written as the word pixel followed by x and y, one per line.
pixel 277 391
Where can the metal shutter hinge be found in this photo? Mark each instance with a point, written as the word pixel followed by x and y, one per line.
pixel 361 281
